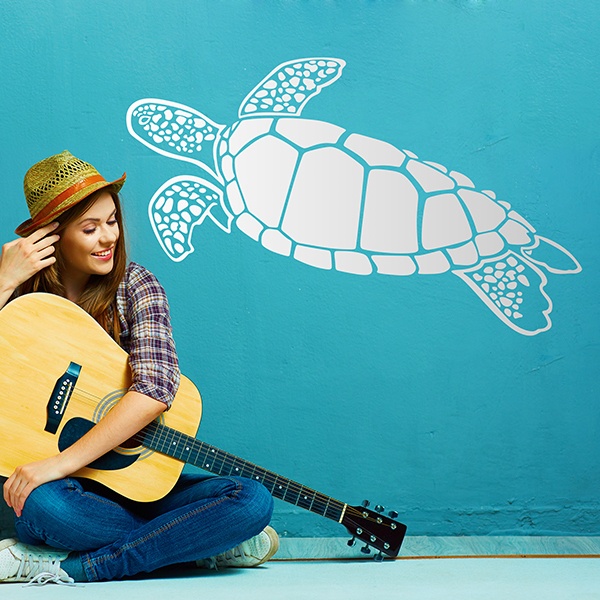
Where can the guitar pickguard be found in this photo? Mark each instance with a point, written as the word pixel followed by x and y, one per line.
pixel 111 461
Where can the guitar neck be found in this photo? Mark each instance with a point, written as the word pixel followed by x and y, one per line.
pixel 187 449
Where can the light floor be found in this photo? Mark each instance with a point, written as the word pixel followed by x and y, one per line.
pixel 428 569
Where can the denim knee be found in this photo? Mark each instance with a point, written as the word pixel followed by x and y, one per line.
pixel 63 515
pixel 44 503
pixel 259 502
pixel 47 498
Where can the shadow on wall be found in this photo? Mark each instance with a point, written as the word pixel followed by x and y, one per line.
pixel 7 517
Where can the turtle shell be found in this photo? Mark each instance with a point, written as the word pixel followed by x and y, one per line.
pixel 333 199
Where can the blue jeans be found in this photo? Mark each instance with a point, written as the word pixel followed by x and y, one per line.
pixel 114 537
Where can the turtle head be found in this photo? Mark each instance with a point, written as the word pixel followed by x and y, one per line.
pixel 176 131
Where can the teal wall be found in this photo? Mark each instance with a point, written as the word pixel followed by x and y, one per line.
pixel 404 390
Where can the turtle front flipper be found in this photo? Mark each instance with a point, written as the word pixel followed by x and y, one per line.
pixel 513 289
pixel 181 204
pixel 175 130
pixel 288 87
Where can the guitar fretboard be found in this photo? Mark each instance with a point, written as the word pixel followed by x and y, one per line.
pixel 187 449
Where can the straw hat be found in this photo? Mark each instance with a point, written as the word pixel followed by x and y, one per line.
pixel 57 183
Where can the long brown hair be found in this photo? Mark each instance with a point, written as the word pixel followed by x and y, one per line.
pixel 99 297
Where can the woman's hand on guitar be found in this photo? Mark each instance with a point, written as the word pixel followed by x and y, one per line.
pixel 27 477
pixel 24 257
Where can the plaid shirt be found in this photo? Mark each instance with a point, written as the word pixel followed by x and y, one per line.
pixel 146 335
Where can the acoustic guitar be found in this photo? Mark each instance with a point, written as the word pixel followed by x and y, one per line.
pixel 60 373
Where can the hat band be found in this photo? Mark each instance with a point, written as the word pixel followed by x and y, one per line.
pixel 51 206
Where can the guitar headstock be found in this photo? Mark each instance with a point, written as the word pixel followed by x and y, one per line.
pixel 374 528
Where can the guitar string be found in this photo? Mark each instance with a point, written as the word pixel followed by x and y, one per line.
pixel 227 462
pixel 230 461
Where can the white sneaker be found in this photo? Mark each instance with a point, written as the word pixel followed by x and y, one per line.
pixel 251 553
pixel 35 564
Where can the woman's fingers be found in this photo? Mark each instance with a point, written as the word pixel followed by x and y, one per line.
pixel 42 232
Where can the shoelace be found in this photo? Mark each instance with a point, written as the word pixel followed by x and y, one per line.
pixel 214 561
pixel 41 570
pixel 45 577
pixel 236 552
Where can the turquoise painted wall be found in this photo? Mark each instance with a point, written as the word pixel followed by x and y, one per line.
pixel 404 390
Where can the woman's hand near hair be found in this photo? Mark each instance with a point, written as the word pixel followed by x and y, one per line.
pixel 24 257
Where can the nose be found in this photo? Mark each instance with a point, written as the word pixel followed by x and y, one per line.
pixel 109 235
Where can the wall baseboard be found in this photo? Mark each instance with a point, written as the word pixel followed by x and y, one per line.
pixel 293 548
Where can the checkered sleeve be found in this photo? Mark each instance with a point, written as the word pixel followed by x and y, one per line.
pixel 152 355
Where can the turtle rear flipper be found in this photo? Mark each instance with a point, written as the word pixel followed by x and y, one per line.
pixel 179 205
pixel 288 87
pixel 175 130
pixel 551 256
pixel 513 289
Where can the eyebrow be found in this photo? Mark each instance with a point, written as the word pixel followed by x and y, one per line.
pixel 97 220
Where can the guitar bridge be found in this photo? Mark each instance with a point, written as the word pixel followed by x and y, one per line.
pixel 60 396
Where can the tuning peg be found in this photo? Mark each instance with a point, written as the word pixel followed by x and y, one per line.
pixel 393 514
pixel 351 542
pixel 379 508
pixel 365 503
pixel 365 549
pixel 378 557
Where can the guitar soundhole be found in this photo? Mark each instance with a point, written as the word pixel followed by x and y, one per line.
pixel 132 445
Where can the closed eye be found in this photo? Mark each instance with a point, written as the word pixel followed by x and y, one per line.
pixel 91 230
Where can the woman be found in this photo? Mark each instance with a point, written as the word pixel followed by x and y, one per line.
pixel 73 246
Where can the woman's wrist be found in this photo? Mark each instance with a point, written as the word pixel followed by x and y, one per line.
pixel 6 291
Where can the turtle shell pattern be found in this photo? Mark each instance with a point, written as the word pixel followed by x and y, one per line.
pixel 333 199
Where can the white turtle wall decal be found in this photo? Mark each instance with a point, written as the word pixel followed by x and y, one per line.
pixel 339 200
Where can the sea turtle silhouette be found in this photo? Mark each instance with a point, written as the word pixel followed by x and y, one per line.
pixel 338 200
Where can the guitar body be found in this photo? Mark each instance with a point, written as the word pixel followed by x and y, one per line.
pixel 60 373
pixel 41 335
